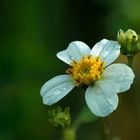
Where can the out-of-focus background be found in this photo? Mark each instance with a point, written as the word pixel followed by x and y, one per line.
pixel 31 33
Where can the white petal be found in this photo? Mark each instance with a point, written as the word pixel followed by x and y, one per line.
pixel 99 101
pixel 56 88
pixel 63 55
pixel 107 50
pixel 109 86
pixel 119 74
pixel 77 49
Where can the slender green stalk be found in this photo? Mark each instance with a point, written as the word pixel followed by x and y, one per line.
pixel 106 128
pixel 69 134
pixel 130 60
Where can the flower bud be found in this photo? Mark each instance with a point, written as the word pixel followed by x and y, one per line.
pixel 129 41
pixel 59 117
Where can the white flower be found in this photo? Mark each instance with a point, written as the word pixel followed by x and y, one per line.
pixel 91 68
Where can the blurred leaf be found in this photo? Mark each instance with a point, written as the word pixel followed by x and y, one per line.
pixel 85 116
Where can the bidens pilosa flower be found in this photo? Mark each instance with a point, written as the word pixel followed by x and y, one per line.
pixel 91 68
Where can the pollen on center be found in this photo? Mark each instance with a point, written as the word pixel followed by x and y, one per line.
pixel 86 71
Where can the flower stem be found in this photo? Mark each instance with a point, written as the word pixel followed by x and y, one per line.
pixel 130 60
pixel 106 127
pixel 69 134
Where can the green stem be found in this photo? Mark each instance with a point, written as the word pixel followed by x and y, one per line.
pixel 69 134
pixel 130 60
pixel 106 128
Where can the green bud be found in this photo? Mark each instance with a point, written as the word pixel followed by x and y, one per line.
pixel 131 35
pixel 59 117
pixel 121 37
pixel 129 41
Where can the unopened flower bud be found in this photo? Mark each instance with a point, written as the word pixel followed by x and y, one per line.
pixel 129 41
pixel 131 35
pixel 59 117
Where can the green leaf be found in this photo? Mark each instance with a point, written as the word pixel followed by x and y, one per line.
pixel 85 116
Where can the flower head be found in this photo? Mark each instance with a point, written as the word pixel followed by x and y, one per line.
pixel 87 70
pixel 129 41
pixel 91 68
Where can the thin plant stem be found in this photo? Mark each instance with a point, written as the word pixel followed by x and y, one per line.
pixel 69 134
pixel 106 127
pixel 130 60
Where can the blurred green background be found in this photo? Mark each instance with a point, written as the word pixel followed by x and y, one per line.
pixel 31 33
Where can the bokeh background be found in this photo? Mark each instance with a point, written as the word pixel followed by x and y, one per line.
pixel 31 33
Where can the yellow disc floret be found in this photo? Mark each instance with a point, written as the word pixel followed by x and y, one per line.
pixel 86 71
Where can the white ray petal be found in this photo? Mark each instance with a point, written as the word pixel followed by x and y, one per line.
pixel 99 101
pixel 107 50
pixel 56 88
pixel 119 74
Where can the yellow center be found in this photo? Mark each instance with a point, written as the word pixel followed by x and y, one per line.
pixel 86 71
